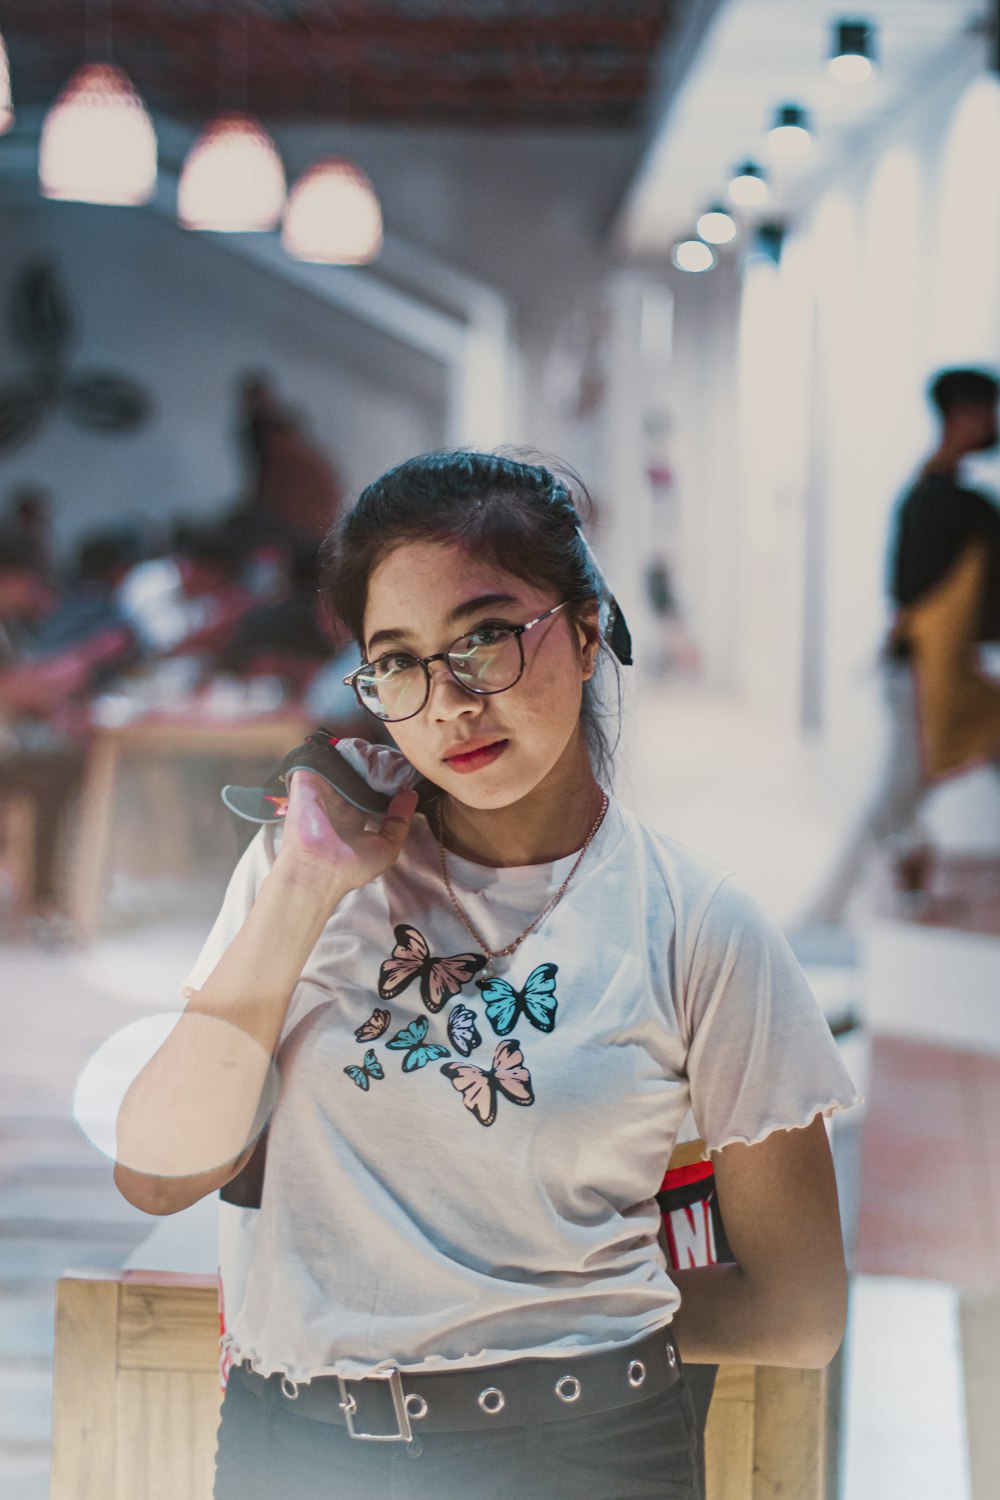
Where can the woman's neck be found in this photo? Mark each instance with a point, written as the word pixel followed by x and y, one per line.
pixel 553 820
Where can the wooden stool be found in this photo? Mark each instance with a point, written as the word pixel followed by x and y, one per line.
pixel 136 1400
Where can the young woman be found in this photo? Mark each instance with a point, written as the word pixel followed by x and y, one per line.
pixel 488 1021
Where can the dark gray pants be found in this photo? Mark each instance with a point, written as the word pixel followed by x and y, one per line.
pixel 645 1451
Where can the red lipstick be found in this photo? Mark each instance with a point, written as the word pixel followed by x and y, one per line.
pixel 475 755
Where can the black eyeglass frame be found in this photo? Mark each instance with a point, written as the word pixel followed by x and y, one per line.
pixel 517 631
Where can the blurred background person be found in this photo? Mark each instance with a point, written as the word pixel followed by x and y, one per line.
pixel 29 516
pixel 188 600
pixel 943 711
pixel 289 481
pixel 43 691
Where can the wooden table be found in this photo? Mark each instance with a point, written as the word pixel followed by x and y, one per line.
pixel 158 743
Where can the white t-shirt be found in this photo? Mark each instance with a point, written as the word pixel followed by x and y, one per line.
pixel 477 1182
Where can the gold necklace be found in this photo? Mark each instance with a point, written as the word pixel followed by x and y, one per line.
pixel 491 955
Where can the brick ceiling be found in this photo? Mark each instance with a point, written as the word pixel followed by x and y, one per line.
pixel 541 63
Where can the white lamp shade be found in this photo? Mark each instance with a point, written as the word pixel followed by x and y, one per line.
pixel 717 227
pixel 98 144
pixel 790 140
pixel 232 179
pixel 6 108
pixel 748 186
pixel 333 216
pixel 693 256
pixel 851 67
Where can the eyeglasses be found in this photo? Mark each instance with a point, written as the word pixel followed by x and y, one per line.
pixel 489 659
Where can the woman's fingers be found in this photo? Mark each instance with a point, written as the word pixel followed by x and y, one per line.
pixel 397 820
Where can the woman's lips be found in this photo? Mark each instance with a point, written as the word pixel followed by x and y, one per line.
pixel 476 759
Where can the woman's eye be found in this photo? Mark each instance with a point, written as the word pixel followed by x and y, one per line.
pixel 389 666
pixel 487 635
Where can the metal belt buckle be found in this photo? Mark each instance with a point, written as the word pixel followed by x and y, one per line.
pixel 349 1407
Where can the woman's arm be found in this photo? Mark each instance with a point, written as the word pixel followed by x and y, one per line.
pixel 186 1122
pixel 784 1301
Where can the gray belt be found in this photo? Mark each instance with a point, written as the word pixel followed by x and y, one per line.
pixel 390 1405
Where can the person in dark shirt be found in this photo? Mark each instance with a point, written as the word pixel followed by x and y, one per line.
pixel 944 581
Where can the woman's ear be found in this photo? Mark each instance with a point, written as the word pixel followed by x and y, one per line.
pixel 588 633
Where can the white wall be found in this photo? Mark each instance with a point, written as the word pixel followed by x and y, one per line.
pixel 186 318
pixel 706 460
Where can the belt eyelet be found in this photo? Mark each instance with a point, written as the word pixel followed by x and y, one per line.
pixel 289 1389
pixel 671 1356
pixel 636 1373
pixel 567 1388
pixel 416 1406
pixel 492 1401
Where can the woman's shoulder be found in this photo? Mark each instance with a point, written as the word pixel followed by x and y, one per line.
pixel 689 879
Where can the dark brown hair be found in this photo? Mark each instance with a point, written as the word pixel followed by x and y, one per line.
pixel 518 516
pixel 952 388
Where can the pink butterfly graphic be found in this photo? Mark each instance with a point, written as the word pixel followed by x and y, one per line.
pixel 440 978
pixel 375 1026
pixel 480 1090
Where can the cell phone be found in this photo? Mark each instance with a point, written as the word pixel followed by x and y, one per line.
pixel 317 753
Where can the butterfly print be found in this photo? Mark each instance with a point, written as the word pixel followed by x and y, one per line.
pixel 440 978
pixel 376 1024
pixel 370 1068
pixel 481 1090
pixel 536 1002
pixel 463 1033
pixel 280 805
pixel 418 1051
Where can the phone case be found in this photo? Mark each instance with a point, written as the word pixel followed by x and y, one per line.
pixel 317 753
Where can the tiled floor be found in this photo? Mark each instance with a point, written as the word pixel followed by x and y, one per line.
pixel 930 1165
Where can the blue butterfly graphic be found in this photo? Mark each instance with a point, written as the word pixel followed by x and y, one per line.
pixel 537 1001
pixel 411 1041
pixel 463 1033
pixel 370 1068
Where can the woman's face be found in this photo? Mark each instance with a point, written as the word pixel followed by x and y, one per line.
pixel 485 751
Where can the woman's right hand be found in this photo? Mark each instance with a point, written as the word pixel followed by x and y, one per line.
pixel 327 839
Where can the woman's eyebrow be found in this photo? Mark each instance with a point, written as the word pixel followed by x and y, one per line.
pixel 469 607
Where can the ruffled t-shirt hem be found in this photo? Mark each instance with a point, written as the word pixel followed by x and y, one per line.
pixel 352 1369
pixel 835 1106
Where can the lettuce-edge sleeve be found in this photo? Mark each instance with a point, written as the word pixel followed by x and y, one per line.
pixel 760 1057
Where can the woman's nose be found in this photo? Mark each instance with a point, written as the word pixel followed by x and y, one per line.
pixel 448 699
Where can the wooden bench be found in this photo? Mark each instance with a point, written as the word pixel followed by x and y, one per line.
pixel 136 1400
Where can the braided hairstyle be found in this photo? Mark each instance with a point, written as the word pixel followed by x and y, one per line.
pixel 517 516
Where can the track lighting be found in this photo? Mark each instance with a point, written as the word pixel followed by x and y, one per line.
pixel 790 133
pixel 748 185
pixel 852 56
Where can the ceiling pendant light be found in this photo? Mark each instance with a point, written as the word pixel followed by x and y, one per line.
pixel 790 133
pixel 232 179
pixel 6 107
pixel 716 226
pixel 97 143
pixel 333 216
pixel 693 255
pixel 748 185
pixel 852 57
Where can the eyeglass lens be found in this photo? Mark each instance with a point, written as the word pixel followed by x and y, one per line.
pixel 396 686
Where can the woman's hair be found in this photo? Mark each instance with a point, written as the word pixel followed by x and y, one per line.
pixel 517 516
